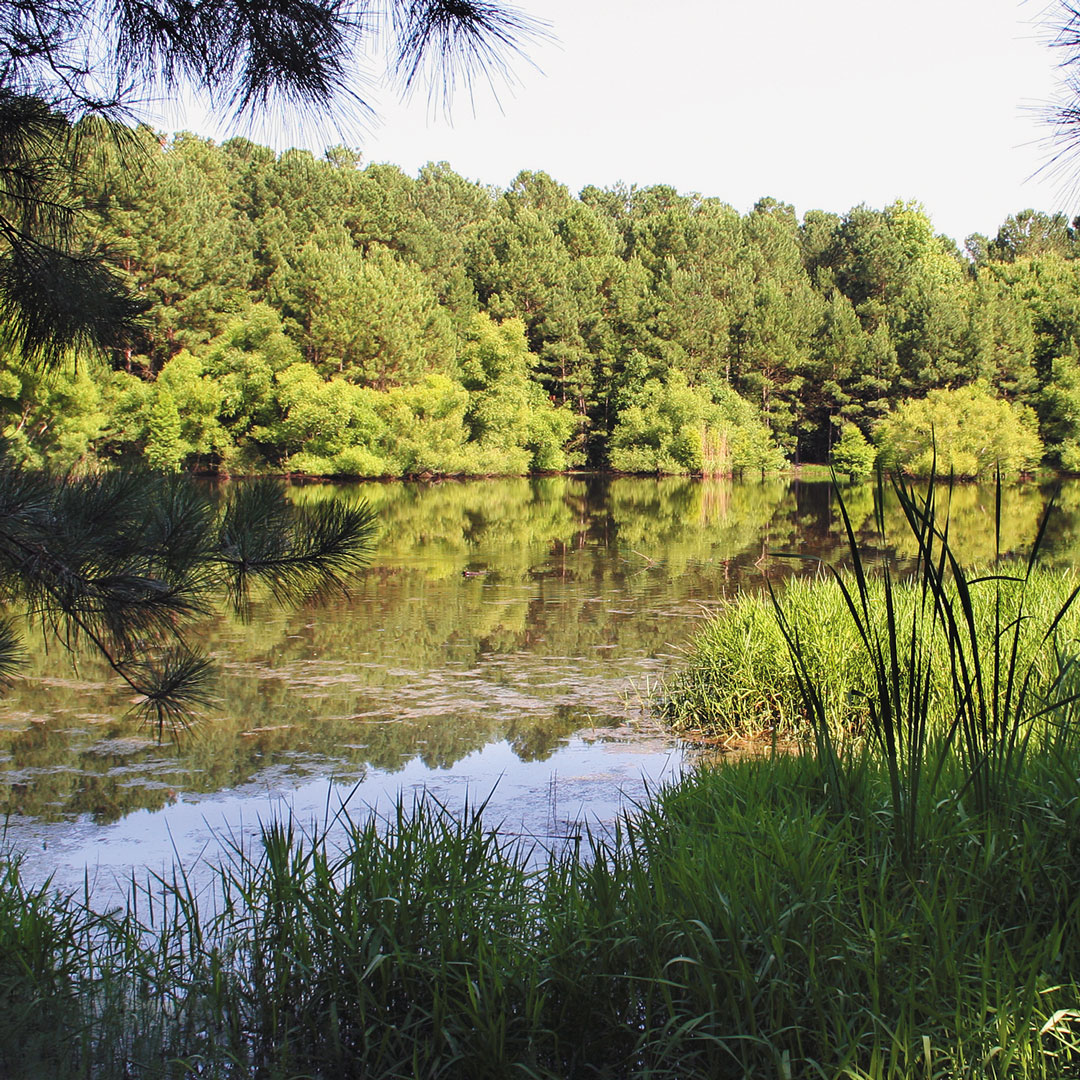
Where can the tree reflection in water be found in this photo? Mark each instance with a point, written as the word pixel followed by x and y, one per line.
pixel 512 611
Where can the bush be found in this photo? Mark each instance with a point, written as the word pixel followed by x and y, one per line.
pixel 496 420
pixel 511 421
pixel 971 432
pixel 852 454
pixel 668 426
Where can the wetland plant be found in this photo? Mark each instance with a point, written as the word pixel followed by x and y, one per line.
pixel 993 689
pixel 735 926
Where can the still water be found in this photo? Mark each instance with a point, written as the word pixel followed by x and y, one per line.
pixel 501 645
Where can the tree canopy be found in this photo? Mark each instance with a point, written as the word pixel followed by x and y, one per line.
pixel 68 67
pixel 316 315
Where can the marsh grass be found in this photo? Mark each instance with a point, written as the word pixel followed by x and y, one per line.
pixel 735 926
pixel 994 694
pixel 946 661
pixel 738 680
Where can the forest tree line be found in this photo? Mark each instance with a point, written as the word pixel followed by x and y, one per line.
pixel 314 315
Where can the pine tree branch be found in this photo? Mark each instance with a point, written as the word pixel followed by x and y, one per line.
pixel 124 563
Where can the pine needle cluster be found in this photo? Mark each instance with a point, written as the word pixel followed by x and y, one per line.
pixel 126 562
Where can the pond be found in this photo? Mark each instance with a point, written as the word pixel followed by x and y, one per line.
pixel 501 646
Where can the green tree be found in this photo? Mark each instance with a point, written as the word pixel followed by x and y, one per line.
pixel 852 454
pixel 427 425
pixel 667 426
pixel 65 61
pixel 243 361
pixel 449 209
pixel 372 317
pixel 510 419
pixel 1031 233
pixel 893 268
pixel 322 420
pixel 775 334
pixel 198 399
pixel 64 419
pixel 1058 406
pixel 546 258
pixel 1001 337
pixel 829 398
pixel 160 216
pixel 165 449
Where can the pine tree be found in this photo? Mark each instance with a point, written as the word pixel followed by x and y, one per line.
pixel 66 67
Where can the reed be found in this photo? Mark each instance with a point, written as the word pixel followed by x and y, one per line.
pixel 735 926
pixel 963 650
pixel 738 680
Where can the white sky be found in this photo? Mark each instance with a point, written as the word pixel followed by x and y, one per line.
pixel 824 105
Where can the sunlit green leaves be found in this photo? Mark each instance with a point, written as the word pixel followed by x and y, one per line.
pixel 668 426
pixel 967 432
pixel 268 269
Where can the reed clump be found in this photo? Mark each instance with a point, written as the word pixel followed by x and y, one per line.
pixel 739 679
pixel 736 926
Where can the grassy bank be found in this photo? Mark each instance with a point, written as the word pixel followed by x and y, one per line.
pixel 738 679
pixel 737 927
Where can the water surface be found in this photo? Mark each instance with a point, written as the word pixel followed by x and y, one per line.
pixel 500 645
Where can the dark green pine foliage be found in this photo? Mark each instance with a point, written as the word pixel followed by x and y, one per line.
pixel 56 291
pixel 1001 337
pixel 775 332
pixel 1031 233
pixel 830 398
pixel 190 262
pixel 67 67
pixel 526 262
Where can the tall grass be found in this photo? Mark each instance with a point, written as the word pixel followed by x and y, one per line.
pixel 947 660
pixel 995 689
pixel 736 926
pixel 738 681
